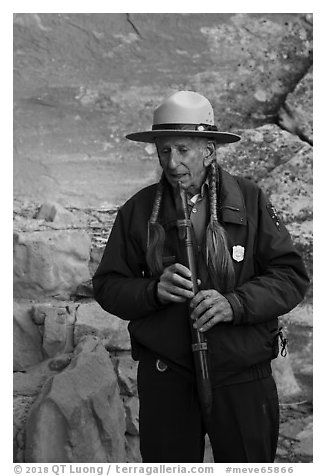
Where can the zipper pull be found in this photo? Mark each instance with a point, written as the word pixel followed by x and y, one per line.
pixel 284 343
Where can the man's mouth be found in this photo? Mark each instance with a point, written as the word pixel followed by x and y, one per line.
pixel 177 176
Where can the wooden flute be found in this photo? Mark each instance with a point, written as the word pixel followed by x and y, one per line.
pixel 199 342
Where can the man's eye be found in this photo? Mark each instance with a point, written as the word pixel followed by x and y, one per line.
pixel 183 150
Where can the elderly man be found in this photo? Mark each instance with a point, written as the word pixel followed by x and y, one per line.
pixel 248 274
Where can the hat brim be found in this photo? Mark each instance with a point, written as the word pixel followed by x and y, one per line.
pixel 150 136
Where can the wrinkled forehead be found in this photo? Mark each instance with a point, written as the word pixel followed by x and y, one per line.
pixel 180 141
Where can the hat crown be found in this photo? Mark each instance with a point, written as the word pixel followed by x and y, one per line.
pixel 184 107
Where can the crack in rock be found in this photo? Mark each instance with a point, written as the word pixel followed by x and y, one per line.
pixel 130 21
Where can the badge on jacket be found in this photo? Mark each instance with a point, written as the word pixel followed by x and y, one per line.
pixel 238 253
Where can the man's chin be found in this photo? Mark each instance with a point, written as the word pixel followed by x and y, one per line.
pixel 174 180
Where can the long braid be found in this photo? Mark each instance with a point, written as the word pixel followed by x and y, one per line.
pixel 155 235
pixel 218 258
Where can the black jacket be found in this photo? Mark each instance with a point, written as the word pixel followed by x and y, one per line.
pixel 270 281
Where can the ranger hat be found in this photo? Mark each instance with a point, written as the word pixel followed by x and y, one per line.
pixel 185 113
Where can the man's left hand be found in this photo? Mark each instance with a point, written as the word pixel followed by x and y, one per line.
pixel 209 308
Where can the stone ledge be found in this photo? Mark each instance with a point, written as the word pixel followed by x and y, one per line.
pixel 92 319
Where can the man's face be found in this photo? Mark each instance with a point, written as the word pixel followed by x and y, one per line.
pixel 185 160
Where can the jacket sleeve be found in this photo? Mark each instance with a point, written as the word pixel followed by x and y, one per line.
pixel 119 285
pixel 281 279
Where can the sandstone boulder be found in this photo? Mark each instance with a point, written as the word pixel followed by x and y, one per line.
pixel 50 263
pixel 92 319
pixel 248 80
pixel 54 212
pixel 132 449
pixel 31 381
pixel 79 415
pixel 293 373
pixel 21 408
pixel 132 415
pixel 261 151
pixel 289 186
pixel 58 326
pixel 126 369
pixel 305 438
pixel 296 115
pixel 85 290
pixel 96 256
pixel 298 327
pixel 302 236
pixel 287 384
pixel 27 349
pixel 301 315
pixel 296 438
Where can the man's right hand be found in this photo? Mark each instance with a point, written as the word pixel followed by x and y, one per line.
pixel 175 284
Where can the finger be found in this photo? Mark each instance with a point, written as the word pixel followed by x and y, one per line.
pixel 170 288
pixel 205 294
pixel 209 324
pixel 166 296
pixel 177 280
pixel 202 307
pixel 204 318
pixel 181 269
pixel 177 291
pixel 174 298
pixel 198 298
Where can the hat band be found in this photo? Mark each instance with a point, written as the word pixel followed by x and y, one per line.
pixel 186 127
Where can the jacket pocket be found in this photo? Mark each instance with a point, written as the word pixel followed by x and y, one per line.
pixel 235 348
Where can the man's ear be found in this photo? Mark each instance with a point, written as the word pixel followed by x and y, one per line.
pixel 210 153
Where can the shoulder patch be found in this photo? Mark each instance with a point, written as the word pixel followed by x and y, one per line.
pixel 273 214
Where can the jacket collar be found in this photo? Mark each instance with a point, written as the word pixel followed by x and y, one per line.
pixel 232 205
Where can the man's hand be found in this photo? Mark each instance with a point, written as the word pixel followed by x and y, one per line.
pixel 175 284
pixel 209 308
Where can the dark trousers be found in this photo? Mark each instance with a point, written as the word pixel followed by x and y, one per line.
pixel 244 424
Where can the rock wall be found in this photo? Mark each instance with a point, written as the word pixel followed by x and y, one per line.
pixel 75 393
pixel 78 416
pixel 81 81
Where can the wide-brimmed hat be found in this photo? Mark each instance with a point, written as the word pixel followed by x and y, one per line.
pixel 185 113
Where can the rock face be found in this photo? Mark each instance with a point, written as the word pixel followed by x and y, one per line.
pixel 27 339
pixel 91 319
pixel 287 385
pixel 126 369
pixel 56 213
pixel 248 81
pixel 22 405
pixel 289 186
pixel 296 115
pixel 108 72
pixel 58 327
pixel 50 263
pixel 78 417
pixel 298 326
pixel 132 420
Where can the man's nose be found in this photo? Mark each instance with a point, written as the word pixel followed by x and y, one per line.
pixel 173 159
